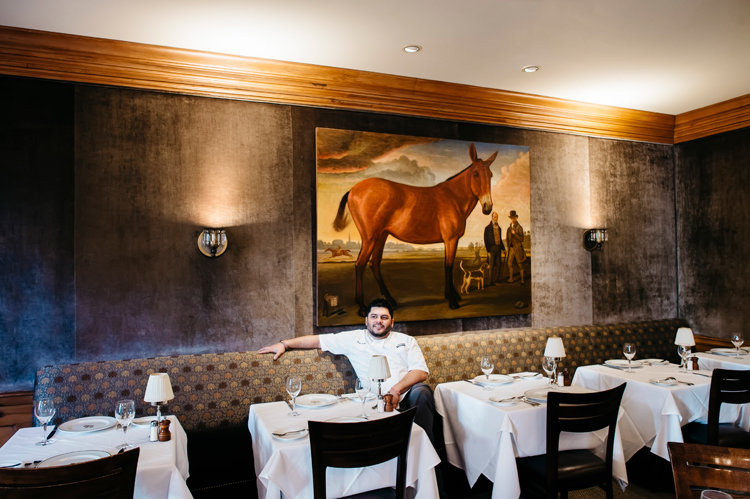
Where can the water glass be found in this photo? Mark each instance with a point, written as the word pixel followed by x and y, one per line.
pixel 293 387
pixel 487 367
pixel 124 414
pixel 363 390
pixel 44 410
pixel 684 352
pixel 549 365
pixel 628 349
pixel 714 494
pixel 737 341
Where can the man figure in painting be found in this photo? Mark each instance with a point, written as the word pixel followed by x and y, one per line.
pixel 405 360
pixel 493 242
pixel 514 237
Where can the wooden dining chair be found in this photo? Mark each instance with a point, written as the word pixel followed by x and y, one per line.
pixel 110 477
pixel 562 471
pixel 727 387
pixel 356 445
pixel 699 467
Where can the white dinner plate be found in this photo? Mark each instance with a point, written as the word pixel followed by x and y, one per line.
pixel 494 380
pixel 346 419
pixel 144 421
pixel 315 400
pixel 80 456
pixel 502 401
pixel 727 351
pixel 10 464
pixel 664 382
pixel 91 423
pixel 623 364
pixel 540 394
pixel 527 375
pixel 355 398
pixel 655 361
pixel 292 435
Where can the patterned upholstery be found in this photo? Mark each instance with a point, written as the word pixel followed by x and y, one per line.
pixel 213 390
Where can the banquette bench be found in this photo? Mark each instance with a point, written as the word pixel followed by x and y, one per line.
pixel 214 391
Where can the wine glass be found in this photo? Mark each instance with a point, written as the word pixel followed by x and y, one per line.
pixel 363 389
pixel 124 414
pixel 487 366
pixel 683 351
pixel 737 341
pixel 549 365
pixel 628 349
pixel 293 387
pixel 44 410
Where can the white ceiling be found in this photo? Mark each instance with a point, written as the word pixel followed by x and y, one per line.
pixel 667 56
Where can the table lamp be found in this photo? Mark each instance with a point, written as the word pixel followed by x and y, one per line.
pixel 379 372
pixel 684 340
pixel 555 350
pixel 158 392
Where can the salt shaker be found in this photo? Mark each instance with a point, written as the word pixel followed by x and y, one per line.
pixel 560 379
pixel 154 437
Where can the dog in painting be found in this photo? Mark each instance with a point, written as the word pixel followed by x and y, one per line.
pixel 473 275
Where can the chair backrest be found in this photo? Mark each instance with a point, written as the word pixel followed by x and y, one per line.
pixel 727 387
pixel 580 413
pixel 110 477
pixel 356 445
pixel 698 467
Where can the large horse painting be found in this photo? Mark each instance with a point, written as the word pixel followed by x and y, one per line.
pixel 418 204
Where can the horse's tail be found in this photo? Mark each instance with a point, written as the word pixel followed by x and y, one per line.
pixel 342 218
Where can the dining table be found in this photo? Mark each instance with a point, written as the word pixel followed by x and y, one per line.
pixel 162 466
pixel 283 462
pixel 483 437
pixel 721 358
pixel 659 399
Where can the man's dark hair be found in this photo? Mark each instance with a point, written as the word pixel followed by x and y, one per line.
pixel 380 303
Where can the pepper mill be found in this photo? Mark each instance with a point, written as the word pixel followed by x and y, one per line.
pixel 164 433
pixel 388 402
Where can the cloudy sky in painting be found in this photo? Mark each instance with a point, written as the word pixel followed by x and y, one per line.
pixel 346 157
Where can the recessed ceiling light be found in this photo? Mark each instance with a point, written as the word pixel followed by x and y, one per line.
pixel 412 48
pixel 530 69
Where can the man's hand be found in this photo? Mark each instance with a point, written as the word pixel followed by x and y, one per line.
pixel 396 395
pixel 277 349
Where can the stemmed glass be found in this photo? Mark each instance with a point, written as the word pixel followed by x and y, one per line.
pixel 683 351
pixel 363 389
pixel 124 414
pixel 737 341
pixel 628 349
pixel 44 410
pixel 293 387
pixel 549 365
pixel 487 366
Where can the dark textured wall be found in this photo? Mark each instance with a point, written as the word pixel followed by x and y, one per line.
pixel 150 170
pixel 37 318
pixel 632 194
pixel 713 236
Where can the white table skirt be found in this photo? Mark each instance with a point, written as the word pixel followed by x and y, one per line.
pixel 162 466
pixel 483 438
pixel 284 468
pixel 655 414
pixel 710 361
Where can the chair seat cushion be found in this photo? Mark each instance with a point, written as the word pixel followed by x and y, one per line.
pixel 574 466
pixel 730 435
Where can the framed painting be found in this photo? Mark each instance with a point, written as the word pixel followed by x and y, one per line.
pixel 440 228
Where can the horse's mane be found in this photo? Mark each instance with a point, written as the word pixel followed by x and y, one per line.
pixel 457 174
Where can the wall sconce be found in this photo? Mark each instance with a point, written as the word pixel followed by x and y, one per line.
pixel 212 242
pixel 593 239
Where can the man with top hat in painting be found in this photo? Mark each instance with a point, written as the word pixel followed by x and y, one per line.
pixel 516 251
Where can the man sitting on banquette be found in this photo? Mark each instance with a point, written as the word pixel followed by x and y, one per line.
pixel 405 360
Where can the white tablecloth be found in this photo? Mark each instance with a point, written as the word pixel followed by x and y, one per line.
pixel 710 361
pixel 162 466
pixel 483 438
pixel 655 414
pixel 284 468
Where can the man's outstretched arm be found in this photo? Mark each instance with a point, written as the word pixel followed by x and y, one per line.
pixel 278 349
pixel 412 378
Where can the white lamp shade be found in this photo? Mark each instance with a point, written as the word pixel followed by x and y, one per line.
pixel 159 389
pixel 379 368
pixel 555 348
pixel 684 337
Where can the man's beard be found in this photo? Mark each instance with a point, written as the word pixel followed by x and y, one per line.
pixel 379 335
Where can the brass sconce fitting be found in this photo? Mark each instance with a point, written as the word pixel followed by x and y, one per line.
pixel 212 242
pixel 593 239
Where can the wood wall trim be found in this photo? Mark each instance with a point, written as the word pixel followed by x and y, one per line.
pixel 705 343
pixel 710 120
pixel 99 61
pixel 16 410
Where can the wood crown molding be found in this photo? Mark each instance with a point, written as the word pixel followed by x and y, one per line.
pixel 710 120
pixel 99 61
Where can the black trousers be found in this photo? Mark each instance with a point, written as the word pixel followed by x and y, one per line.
pixel 420 396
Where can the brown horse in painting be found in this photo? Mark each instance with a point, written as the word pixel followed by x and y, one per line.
pixel 418 215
